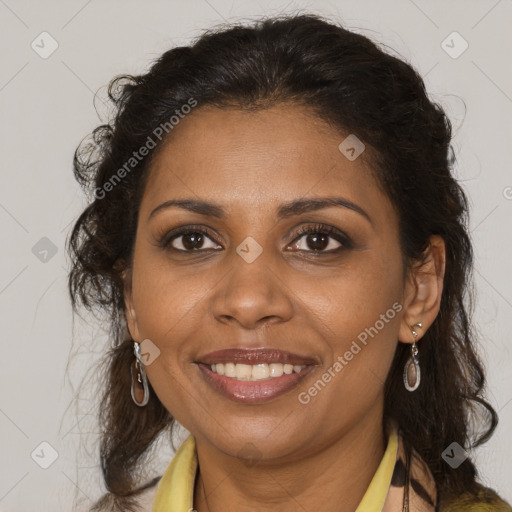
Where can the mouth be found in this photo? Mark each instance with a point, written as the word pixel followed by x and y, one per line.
pixel 254 376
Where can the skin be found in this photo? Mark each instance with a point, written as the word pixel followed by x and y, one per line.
pixel 316 456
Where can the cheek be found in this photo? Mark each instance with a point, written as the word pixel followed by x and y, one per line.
pixel 359 313
pixel 169 311
pixel 165 297
pixel 166 303
pixel 355 296
pixel 359 352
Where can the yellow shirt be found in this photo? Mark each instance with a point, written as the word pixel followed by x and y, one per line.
pixel 175 491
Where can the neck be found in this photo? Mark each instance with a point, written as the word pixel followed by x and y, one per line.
pixel 332 479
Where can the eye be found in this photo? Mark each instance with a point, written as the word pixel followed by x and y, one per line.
pixel 321 239
pixel 315 239
pixel 188 239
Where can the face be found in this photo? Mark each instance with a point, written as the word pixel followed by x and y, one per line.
pixel 250 279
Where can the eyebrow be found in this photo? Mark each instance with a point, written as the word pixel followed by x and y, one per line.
pixel 286 210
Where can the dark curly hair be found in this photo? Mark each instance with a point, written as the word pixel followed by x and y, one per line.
pixel 357 87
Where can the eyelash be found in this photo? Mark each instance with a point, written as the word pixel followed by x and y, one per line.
pixel 165 241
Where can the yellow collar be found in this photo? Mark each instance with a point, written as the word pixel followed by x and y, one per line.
pixel 176 488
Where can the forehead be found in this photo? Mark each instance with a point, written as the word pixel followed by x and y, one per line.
pixel 246 160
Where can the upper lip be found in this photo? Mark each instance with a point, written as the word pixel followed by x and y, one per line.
pixel 255 356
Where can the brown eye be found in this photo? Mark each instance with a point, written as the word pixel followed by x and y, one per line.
pixel 189 240
pixel 192 241
pixel 321 239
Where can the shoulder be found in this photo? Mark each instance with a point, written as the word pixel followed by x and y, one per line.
pixel 486 500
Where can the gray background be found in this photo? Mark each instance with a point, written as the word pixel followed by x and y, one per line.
pixel 47 107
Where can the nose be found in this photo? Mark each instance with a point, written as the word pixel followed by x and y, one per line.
pixel 253 293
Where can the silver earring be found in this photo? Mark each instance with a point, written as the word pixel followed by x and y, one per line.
pixel 412 373
pixel 139 382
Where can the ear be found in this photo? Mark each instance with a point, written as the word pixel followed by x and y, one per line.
pixel 129 307
pixel 423 291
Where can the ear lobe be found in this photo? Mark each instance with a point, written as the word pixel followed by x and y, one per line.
pixel 129 307
pixel 424 291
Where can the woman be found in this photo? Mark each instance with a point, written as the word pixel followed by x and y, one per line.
pixel 284 256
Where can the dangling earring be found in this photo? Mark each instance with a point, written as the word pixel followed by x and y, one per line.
pixel 139 382
pixel 412 373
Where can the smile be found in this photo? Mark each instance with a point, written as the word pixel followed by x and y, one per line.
pixel 254 390
pixel 254 372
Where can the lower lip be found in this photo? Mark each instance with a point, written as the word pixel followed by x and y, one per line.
pixel 253 392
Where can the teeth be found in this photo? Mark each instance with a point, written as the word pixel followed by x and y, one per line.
pixel 243 371
pixel 276 369
pixel 229 369
pixel 254 372
pixel 260 371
